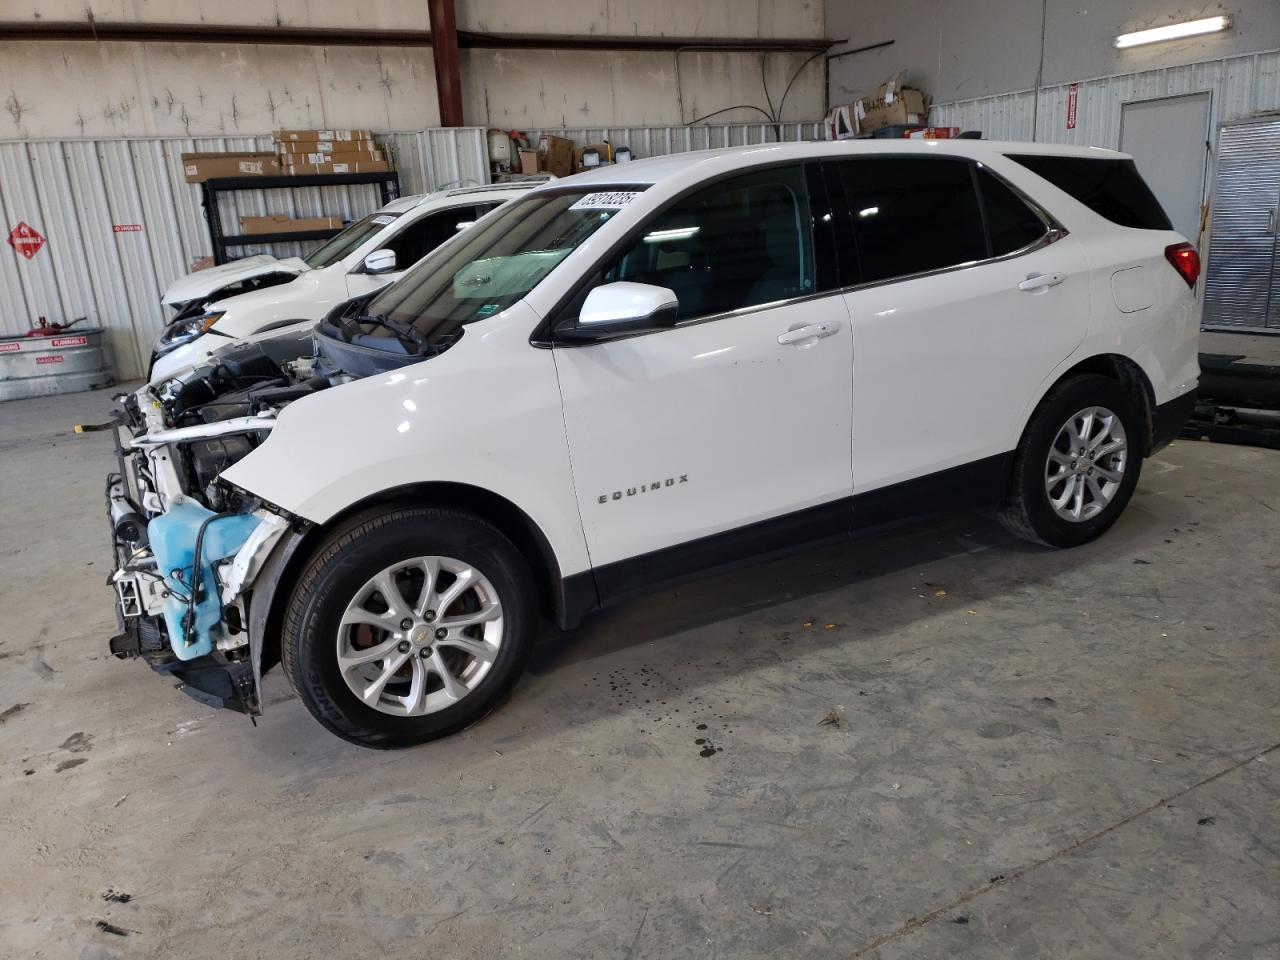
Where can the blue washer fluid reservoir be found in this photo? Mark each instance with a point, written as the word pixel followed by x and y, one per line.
pixel 173 541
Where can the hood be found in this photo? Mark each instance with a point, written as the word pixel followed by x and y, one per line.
pixel 208 284
pixel 309 297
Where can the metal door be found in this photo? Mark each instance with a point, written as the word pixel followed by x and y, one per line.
pixel 1242 280
pixel 1169 138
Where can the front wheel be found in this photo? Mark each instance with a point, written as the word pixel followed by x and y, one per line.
pixel 408 625
pixel 1077 465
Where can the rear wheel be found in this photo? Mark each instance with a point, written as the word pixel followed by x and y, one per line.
pixel 1077 465
pixel 408 625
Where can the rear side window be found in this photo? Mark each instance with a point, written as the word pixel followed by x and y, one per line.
pixel 1112 189
pixel 912 215
pixel 1012 224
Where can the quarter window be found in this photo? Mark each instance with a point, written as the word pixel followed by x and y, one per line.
pixel 1110 188
pixel 912 215
pixel 739 243
pixel 1011 223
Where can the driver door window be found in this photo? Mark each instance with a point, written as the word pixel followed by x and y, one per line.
pixel 737 244
pixel 421 237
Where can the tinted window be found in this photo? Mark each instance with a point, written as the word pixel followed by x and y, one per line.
pixel 337 247
pixel 739 243
pixel 1110 188
pixel 494 264
pixel 1011 224
pixel 912 215
pixel 425 234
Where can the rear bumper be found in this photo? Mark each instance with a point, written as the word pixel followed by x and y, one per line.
pixel 1168 419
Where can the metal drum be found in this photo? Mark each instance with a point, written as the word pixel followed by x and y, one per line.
pixel 43 366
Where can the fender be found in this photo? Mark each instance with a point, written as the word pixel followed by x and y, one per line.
pixel 261 601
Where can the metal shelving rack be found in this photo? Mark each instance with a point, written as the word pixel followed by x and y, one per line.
pixel 388 185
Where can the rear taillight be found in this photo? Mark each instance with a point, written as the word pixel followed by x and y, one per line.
pixel 1186 260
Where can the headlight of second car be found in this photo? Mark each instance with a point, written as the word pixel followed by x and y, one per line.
pixel 184 331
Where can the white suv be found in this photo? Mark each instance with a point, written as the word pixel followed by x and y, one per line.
pixel 223 304
pixel 640 374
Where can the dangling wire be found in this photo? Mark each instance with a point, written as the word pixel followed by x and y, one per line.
pixel 774 114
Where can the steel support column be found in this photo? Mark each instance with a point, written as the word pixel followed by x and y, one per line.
pixel 444 53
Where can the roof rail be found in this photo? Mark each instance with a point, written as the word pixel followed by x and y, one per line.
pixel 524 184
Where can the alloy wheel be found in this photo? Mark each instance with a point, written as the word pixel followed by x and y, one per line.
pixel 1086 464
pixel 419 636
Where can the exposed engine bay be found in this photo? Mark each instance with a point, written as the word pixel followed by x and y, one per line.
pixel 188 545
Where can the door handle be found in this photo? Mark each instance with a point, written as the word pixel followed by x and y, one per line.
pixel 1041 281
pixel 808 331
pixel 1271 222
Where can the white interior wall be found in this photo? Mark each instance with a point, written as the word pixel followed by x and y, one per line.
pixel 546 88
pixel 102 90
pixel 964 49
pixel 114 89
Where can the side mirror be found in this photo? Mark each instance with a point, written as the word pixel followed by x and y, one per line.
pixel 462 225
pixel 621 309
pixel 380 261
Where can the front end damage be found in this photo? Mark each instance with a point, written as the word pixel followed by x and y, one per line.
pixel 196 559
pixel 182 569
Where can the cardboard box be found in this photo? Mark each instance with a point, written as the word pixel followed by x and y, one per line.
pixel 343 156
pixel 337 166
pixel 528 161
pixel 278 223
pixel 892 103
pixel 555 155
pixel 284 135
pixel 284 147
pixel 199 167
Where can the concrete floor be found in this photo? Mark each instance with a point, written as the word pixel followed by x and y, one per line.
pixel 1066 754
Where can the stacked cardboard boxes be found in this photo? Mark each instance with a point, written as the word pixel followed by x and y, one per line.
pixel 329 151
pixel 892 105
pixel 554 155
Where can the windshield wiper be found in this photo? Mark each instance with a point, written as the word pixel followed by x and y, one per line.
pixel 405 332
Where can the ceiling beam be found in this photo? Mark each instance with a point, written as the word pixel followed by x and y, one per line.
pixel 348 37
pixel 552 41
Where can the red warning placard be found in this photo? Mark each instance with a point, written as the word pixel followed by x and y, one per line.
pixel 25 239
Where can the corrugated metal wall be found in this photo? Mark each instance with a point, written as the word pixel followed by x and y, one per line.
pixel 76 192
pixel 1239 86
pixel 659 141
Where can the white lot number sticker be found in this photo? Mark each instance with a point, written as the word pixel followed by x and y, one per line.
pixel 605 201
pixel 383 221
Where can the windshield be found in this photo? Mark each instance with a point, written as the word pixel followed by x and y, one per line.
pixel 494 264
pixel 337 247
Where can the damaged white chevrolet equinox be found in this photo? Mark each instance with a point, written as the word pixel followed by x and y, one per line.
pixel 639 374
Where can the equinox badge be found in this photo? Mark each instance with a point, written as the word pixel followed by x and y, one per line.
pixel 643 488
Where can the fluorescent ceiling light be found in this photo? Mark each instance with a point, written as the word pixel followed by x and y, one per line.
pixel 1174 31
pixel 677 233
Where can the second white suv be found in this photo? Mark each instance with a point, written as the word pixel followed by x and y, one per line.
pixel 262 293
pixel 640 374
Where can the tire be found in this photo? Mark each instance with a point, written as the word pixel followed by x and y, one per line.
pixel 1028 510
pixel 340 582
